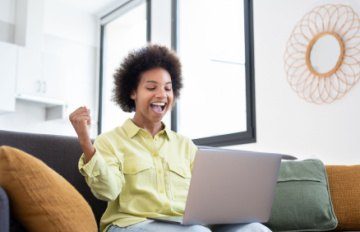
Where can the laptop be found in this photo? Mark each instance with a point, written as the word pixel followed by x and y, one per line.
pixel 230 186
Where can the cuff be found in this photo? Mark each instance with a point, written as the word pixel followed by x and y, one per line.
pixel 91 168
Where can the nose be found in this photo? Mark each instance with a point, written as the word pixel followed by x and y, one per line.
pixel 161 93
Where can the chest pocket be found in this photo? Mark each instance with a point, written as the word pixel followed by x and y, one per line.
pixel 139 176
pixel 179 176
pixel 136 165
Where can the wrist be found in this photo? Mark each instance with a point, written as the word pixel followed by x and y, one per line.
pixel 89 152
pixel 87 147
pixel 85 142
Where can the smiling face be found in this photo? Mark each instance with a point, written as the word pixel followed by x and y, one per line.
pixel 153 97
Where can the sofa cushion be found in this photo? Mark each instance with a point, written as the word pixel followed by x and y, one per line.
pixel 40 198
pixel 302 199
pixel 344 183
pixel 60 153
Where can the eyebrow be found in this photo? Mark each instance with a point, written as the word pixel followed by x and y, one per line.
pixel 158 83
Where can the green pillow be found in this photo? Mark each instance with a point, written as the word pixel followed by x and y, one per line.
pixel 302 198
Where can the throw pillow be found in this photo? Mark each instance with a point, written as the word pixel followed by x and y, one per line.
pixel 40 198
pixel 302 199
pixel 344 183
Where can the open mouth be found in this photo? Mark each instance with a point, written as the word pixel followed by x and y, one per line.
pixel 158 107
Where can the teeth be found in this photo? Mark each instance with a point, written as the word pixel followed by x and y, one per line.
pixel 159 103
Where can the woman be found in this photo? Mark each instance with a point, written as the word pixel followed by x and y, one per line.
pixel 142 168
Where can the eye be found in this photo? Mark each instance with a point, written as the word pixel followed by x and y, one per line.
pixel 150 88
pixel 168 87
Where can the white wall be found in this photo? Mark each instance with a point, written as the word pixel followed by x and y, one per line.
pixel 71 36
pixel 284 122
pixel 70 23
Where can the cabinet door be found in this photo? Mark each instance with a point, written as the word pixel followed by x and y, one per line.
pixel 8 58
pixel 54 76
pixel 29 76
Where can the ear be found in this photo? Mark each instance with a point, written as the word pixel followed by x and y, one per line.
pixel 133 95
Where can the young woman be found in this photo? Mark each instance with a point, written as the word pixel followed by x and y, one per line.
pixel 142 168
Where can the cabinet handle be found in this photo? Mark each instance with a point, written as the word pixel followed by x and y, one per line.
pixel 44 87
pixel 38 86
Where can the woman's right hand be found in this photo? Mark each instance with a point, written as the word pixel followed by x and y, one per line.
pixel 81 120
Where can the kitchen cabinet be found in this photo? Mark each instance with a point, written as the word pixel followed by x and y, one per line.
pixel 30 79
pixel 40 74
pixel 8 61
pixel 39 81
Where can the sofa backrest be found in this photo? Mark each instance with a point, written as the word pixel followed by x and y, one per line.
pixel 61 153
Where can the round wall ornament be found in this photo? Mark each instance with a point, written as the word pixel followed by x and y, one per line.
pixel 322 57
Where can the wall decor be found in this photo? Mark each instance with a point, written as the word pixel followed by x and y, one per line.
pixel 322 57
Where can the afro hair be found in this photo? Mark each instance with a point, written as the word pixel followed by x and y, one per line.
pixel 127 76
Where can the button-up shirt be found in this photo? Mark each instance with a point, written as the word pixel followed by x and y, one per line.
pixel 140 175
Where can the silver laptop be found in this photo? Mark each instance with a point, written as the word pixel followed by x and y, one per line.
pixel 230 186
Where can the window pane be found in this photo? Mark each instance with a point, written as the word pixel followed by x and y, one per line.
pixel 212 50
pixel 121 35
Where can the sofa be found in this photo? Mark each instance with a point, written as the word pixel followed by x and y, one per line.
pixel 61 153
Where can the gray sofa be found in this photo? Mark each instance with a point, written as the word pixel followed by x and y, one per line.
pixel 60 153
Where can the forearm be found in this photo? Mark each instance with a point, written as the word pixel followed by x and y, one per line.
pixel 87 148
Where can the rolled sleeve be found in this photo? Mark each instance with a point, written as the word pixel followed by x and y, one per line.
pixel 103 171
pixel 91 168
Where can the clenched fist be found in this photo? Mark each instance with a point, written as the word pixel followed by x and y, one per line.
pixel 80 120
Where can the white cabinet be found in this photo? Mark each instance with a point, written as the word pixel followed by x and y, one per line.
pixel 8 60
pixel 30 80
pixel 39 74
pixel 39 80
pixel 54 71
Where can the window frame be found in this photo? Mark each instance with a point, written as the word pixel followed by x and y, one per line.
pixel 242 137
pixel 104 20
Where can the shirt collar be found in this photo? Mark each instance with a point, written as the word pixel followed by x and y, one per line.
pixel 132 129
pixel 168 132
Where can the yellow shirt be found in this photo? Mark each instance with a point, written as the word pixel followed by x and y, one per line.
pixel 139 175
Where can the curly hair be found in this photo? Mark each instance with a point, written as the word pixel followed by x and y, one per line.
pixel 127 76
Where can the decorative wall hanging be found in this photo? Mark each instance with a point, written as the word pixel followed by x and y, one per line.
pixel 322 57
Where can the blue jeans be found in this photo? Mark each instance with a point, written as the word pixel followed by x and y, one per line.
pixel 152 226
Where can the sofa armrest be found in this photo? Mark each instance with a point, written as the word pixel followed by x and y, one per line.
pixel 4 211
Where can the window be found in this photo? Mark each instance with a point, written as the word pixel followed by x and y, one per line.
pixel 215 44
pixel 122 30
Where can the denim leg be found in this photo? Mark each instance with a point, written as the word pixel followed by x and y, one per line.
pixel 250 227
pixel 152 226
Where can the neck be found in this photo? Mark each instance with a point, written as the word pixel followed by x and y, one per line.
pixel 151 127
